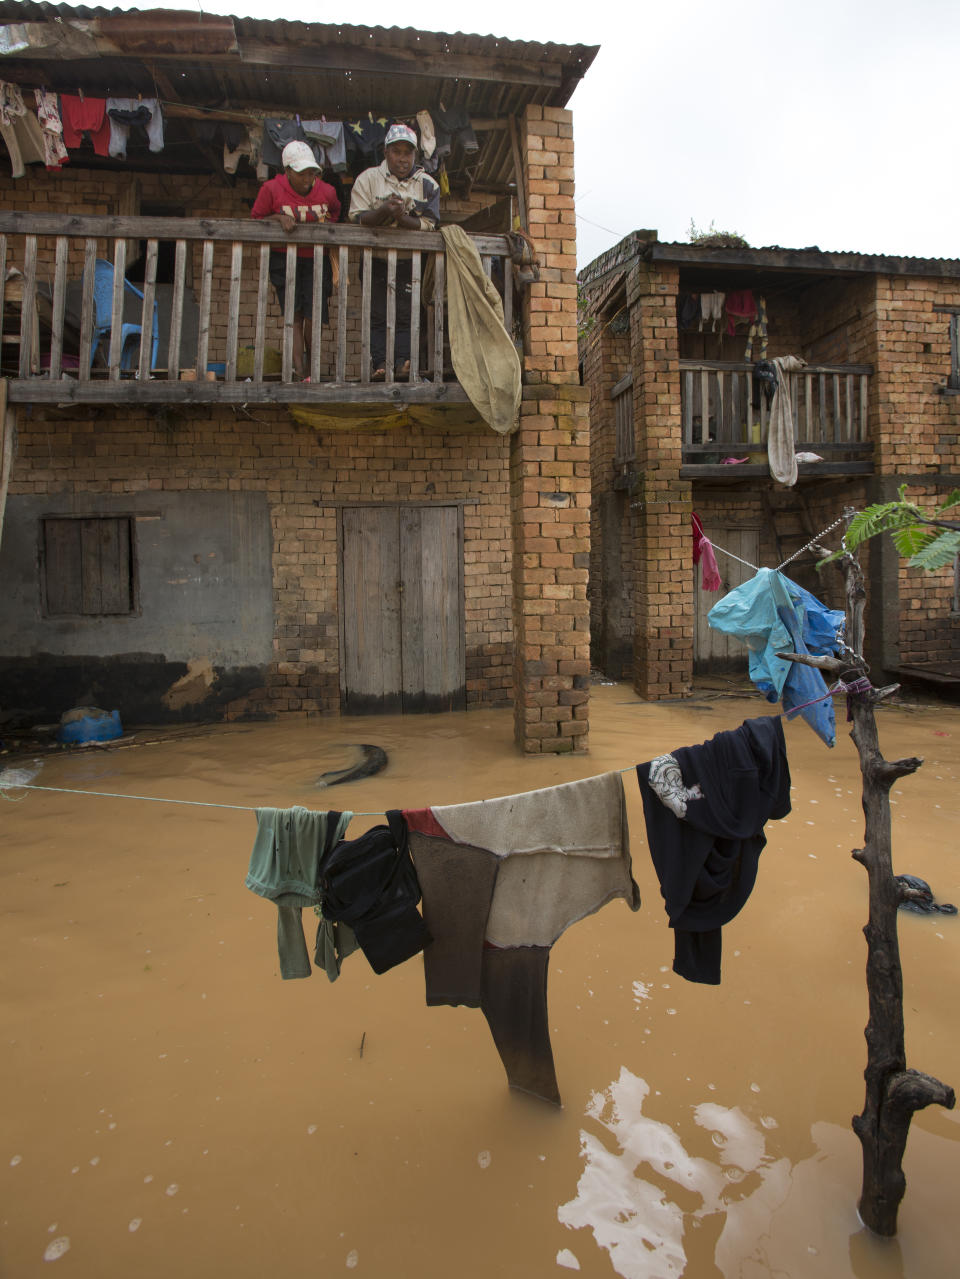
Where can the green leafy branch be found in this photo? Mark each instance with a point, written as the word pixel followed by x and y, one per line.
pixel 927 541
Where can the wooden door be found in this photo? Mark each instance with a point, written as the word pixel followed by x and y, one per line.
pixel 402 626
pixel 713 651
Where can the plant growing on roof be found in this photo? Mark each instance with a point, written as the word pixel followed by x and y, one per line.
pixel 711 238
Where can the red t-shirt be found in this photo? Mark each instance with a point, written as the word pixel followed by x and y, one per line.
pixel 278 196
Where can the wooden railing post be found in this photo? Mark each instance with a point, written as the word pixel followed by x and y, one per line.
pixel 233 315
pixel 176 310
pixel 344 287
pixel 28 308
pixel 146 315
pixel 115 350
pixel 415 317
pixel 316 327
pixel 59 302
pixel 260 327
pixel 206 288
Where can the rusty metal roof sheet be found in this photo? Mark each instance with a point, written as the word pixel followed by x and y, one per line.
pixel 283 67
pixel 162 23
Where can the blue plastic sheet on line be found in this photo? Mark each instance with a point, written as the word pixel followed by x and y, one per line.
pixel 772 614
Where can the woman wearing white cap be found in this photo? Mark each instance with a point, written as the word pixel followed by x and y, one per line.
pixel 293 197
pixel 396 193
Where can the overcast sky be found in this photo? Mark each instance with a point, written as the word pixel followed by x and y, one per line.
pixel 827 123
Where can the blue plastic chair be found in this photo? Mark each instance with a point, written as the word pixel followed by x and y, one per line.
pixel 130 334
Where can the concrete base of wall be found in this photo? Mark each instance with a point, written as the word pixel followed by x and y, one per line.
pixel 144 687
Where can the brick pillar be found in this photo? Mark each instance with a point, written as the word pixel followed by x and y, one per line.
pixel 662 501
pixel 550 462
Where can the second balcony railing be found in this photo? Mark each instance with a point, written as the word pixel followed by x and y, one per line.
pixel 721 414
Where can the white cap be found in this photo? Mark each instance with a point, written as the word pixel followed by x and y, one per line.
pixel 298 156
pixel 400 133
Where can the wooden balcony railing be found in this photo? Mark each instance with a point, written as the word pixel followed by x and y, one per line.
pixel 828 401
pixel 220 335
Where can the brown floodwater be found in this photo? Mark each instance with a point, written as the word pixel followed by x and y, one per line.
pixel 172 1108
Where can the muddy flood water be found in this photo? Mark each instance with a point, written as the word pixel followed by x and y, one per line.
pixel 173 1110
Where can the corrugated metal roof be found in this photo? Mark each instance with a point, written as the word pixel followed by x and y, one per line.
pixel 811 258
pixel 283 67
pixel 770 258
pixel 282 31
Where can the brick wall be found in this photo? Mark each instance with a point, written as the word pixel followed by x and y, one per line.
pixel 303 472
pixel 605 356
pixel 549 462
pixel 929 631
pixel 917 428
pixel 918 435
pixel 528 537
pixel 887 322
pixel 663 645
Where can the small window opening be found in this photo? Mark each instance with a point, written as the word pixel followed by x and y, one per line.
pixel 88 566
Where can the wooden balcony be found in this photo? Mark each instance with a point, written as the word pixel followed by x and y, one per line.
pixel 220 335
pixel 829 406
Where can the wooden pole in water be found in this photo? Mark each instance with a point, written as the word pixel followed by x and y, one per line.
pixel 893 1092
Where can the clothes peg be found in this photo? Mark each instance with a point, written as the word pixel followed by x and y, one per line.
pixel 80 94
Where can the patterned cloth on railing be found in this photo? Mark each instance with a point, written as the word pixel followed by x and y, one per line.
pixel 54 152
pixel 757 333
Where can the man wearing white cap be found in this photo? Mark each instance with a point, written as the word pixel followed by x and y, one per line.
pixel 396 193
pixel 293 197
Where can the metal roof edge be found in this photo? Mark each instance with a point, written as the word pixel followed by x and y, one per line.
pixel 800 260
pixel 25 11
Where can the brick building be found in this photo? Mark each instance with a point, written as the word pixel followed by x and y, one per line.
pixel 671 397
pixel 188 533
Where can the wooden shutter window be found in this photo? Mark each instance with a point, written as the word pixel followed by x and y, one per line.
pixel 88 566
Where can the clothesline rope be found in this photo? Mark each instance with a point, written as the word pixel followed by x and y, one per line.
pixel 813 541
pixel 857 686
pixel 723 550
pixel 155 799
pixel 152 799
pixel 790 558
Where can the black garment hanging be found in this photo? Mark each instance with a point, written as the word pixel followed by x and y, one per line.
pixel 707 860
pixel 370 883
pixel 765 380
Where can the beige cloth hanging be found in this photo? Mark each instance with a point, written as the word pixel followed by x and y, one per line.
pixel 481 350
pixel 781 448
